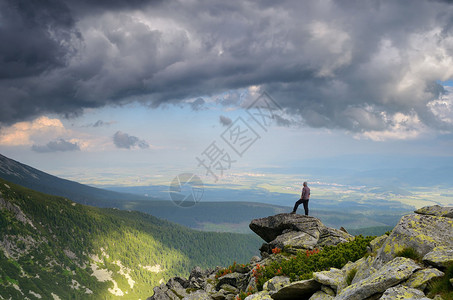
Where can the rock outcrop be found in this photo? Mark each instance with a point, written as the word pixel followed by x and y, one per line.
pixel 383 274
pixel 292 232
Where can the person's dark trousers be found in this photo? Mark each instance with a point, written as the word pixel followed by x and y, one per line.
pixel 304 202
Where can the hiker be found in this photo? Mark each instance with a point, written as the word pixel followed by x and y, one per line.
pixel 304 197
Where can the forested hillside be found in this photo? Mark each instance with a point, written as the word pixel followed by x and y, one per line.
pixel 53 247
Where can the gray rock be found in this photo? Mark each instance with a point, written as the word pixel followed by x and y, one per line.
pixel 421 232
pixel 276 283
pixel 333 237
pixel 328 290
pixel 163 293
pixel 392 273
pixel 237 280
pixel 178 283
pixel 439 257
pixel 297 290
pixel 251 286
pixel 420 279
pixel 364 269
pixel 334 278
pixel 220 295
pixel 320 295
pixel 295 240
pixel 254 260
pixel 196 278
pixel 271 227
pixel 436 210
pixel 259 296
pixel 197 295
pixel 377 243
pixel 402 292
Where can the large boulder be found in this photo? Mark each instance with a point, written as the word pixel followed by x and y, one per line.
pixel 235 280
pixel 293 232
pixel 303 289
pixel 420 232
pixel 271 227
pixel 440 257
pixel 402 292
pixel 276 283
pixel 392 273
pixel 334 278
pixel 420 279
pixel 320 295
pixel 436 210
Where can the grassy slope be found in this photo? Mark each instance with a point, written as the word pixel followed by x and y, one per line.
pixel 36 261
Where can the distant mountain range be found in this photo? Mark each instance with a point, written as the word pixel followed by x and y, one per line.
pixel 233 215
pixel 37 180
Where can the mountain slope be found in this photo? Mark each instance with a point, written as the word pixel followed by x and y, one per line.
pixel 37 180
pixel 51 246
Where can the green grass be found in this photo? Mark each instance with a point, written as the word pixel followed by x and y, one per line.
pixel 409 253
pixel 350 276
pixel 442 286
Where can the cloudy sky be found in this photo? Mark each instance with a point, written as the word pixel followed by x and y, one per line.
pixel 137 91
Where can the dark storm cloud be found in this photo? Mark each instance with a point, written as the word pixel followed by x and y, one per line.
pixel 225 121
pixel 56 146
pixel 126 141
pixel 348 64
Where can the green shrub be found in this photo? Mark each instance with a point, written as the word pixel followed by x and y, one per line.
pixel 302 266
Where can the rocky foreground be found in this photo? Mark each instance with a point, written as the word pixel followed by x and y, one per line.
pixel 383 274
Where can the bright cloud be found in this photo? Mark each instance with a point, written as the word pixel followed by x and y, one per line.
pixel 27 133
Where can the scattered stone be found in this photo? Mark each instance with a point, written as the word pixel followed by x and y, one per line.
pixel 334 278
pixel 436 210
pixel 364 269
pixel 220 295
pixel 439 257
pixel 328 290
pixel 236 280
pixel 276 283
pixel 297 290
pixel 402 292
pixel 420 279
pixel 254 260
pixel 392 273
pixel 197 295
pixel 229 289
pixel 320 295
pixel 196 278
pixel 259 296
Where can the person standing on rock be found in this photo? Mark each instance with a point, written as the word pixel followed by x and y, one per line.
pixel 303 199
